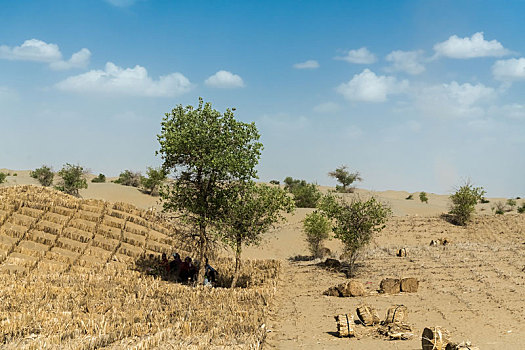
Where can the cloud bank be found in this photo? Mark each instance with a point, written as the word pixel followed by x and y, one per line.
pixel 473 47
pixel 368 87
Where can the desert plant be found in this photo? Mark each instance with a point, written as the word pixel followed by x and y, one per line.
pixel 72 179
pixel 423 197
pixel 207 151
pixel 345 178
pixel 354 223
pixel 15 174
pixel 44 175
pixel 99 179
pixel 2 177
pixel 521 209
pixel 274 182
pixel 484 200
pixel 463 203
pixel 305 194
pixel 153 180
pixel 410 197
pixel 316 228
pixel 499 208
pixel 511 203
pixel 251 212
pixel 128 178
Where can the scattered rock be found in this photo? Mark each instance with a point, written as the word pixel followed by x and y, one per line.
pixel 390 286
pixel 396 314
pixel 349 289
pixel 409 285
pixel 367 315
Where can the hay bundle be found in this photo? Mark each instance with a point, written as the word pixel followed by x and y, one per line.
pixel 89 215
pixel 70 244
pixel 136 229
pixel 113 222
pixel 409 285
pixel 56 218
pixel 134 239
pixel 349 289
pixel 34 213
pixel 109 231
pixel 105 243
pixel 402 252
pixel 77 235
pixel 396 314
pixel 367 315
pixel 83 225
pixel 396 331
pixel 390 286
pixel 62 210
pixel 130 250
pixel 344 325
pixel 49 227
pixel 13 230
pixel 6 242
pixel 434 338
pixel 42 237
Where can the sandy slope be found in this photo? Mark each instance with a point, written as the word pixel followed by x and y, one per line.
pixel 475 287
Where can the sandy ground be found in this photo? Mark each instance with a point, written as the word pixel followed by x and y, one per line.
pixel 474 287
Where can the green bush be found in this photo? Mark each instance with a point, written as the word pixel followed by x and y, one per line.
pixel 44 175
pixel 345 178
pixel 15 174
pixel 463 203
pixel 484 200
pixel 499 208
pixel 2 177
pixel 511 203
pixel 128 178
pixel 317 229
pixel 153 180
pixel 274 182
pixel 72 179
pixel 305 194
pixel 521 209
pixel 100 178
pixel 423 197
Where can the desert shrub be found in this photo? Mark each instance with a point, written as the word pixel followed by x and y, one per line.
pixel 521 209
pixel 354 223
pixel 345 178
pixel 463 203
pixel 100 178
pixel 15 174
pixel 511 203
pixel 316 227
pixel 44 175
pixel 72 179
pixel 484 200
pixel 274 182
pixel 306 195
pixel 2 177
pixel 499 208
pixel 153 179
pixel 410 197
pixel 423 197
pixel 128 178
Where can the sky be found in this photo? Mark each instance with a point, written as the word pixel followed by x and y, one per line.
pixel 415 95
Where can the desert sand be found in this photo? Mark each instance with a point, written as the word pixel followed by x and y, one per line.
pixel 474 286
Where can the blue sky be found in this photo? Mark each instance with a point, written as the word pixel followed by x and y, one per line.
pixel 416 95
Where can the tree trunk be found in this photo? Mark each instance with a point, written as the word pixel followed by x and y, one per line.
pixel 202 252
pixel 237 262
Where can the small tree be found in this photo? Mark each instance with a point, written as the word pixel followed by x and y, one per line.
pixel 99 179
pixel 345 178
pixel 44 175
pixel 316 228
pixel 128 178
pixel 72 179
pixel 153 180
pixel 499 208
pixel 2 177
pixel 206 151
pixel 354 223
pixel 463 203
pixel 511 203
pixel 521 209
pixel 251 212
pixel 423 197
pixel 305 195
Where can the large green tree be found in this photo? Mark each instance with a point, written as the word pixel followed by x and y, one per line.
pixel 72 179
pixel 464 202
pixel 345 178
pixel 205 151
pixel 252 211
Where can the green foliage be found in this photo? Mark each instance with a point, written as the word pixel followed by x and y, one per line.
pixel 484 200
pixel 274 182
pixel 511 203
pixel 153 180
pixel 305 195
pixel 521 209
pixel 423 197
pixel 72 179
pixel 2 177
pixel 44 175
pixel 499 208
pixel 316 228
pixel 463 203
pixel 251 211
pixel 99 179
pixel 15 174
pixel 410 197
pixel 354 223
pixel 345 178
pixel 128 178
pixel 207 152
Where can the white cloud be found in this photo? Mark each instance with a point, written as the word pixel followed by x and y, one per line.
pixel 406 61
pixel 513 111
pixel 130 81
pixel 454 100
pixel 327 107
pixel 39 51
pixel 310 64
pixel 78 60
pixel 360 56
pixel 32 50
pixel 224 80
pixel 369 87
pixel 475 46
pixel 508 70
